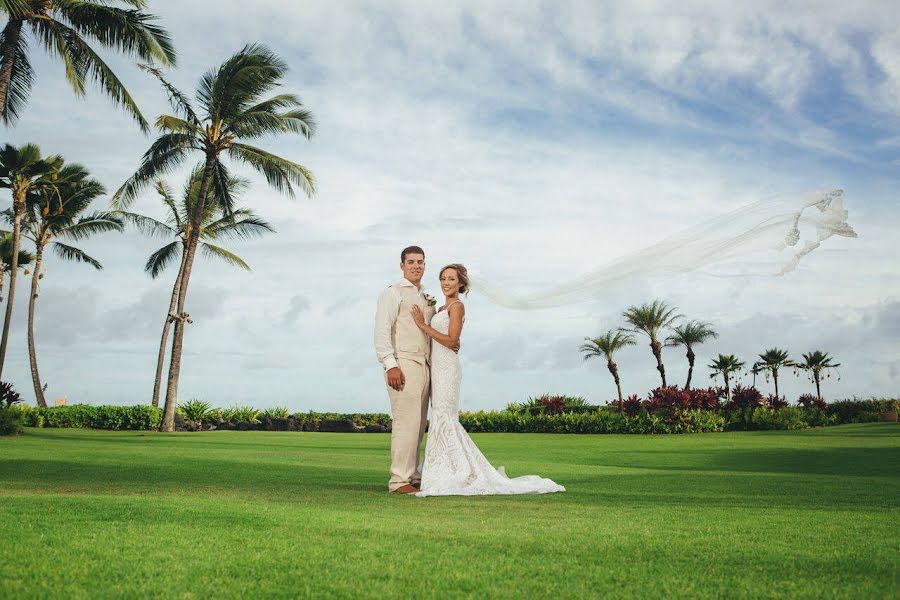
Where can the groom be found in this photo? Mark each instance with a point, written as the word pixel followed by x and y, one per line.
pixel 405 352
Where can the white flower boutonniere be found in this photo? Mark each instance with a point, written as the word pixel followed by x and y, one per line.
pixel 431 300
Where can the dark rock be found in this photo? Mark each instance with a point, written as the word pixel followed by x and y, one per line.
pixel 209 427
pixel 179 420
pixel 389 426
pixel 276 424
pixel 311 425
pixel 294 424
pixel 245 426
pixel 226 426
pixel 375 429
pixel 337 426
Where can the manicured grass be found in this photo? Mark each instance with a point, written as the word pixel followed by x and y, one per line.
pixel 813 513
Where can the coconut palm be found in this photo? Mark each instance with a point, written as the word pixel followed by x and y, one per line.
pixel 54 214
pixel 62 27
pixel 688 335
pixel 25 257
pixel 233 110
pixel 22 171
pixel 771 361
pixel 242 224
pixel 606 346
pixel 817 362
pixel 650 319
pixel 725 365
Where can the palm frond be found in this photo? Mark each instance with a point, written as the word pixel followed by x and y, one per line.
pixel 66 252
pixel 146 225
pixel 13 43
pixel 239 227
pixel 280 173
pixel 177 99
pixel 164 155
pixel 212 251
pixel 162 258
pixel 92 224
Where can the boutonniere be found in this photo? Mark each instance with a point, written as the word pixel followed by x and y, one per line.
pixel 431 300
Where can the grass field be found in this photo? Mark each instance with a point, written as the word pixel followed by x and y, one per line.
pixel 813 513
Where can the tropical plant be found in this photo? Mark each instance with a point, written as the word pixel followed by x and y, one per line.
pixel 53 214
pixel 238 413
pixel 241 223
pixel 725 365
pixel 275 412
pixel 811 402
pixel 196 410
pixel 771 361
pixel 688 335
pixel 22 171
pixel 815 363
pixel 61 26
pixel 10 418
pixel 8 394
pixel 25 257
pixel 230 97
pixel 605 346
pixel 650 319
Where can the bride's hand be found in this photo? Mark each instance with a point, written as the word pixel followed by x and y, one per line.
pixel 418 316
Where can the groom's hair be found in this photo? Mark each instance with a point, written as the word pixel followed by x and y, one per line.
pixel 411 250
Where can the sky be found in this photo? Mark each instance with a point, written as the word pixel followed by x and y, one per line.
pixel 532 141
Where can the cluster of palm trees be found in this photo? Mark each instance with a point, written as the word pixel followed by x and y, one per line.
pixel 235 104
pixel 654 318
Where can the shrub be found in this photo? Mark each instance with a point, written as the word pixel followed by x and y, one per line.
pixel 811 401
pixel 196 410
pixel 239 413
pixel 746 397
pixel 11 420
pixel 602 421
pixel 775 402
pixel 632 405
pixel 790 417
pixel 277 412
pixel 8 395
pixel 861 411
pixel 141 417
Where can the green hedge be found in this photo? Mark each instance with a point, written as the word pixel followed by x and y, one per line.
pixel 862 411
pixel 600 421
pixel 94 417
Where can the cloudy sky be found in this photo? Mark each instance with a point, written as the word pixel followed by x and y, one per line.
pixel 534 141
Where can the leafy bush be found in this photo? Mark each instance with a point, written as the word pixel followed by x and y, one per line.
pixel 551 404
pixel 8 395
pixel 791 417
pixel 196 410
pixel 239 413
pixel 862 411
pixel 775 402
pixel 632 405
pixel 601 421
pixel 11 418
pixel 812 402
pixel 277 412
pixel 141 417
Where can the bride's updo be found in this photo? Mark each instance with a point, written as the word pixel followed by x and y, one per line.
pixel 461 274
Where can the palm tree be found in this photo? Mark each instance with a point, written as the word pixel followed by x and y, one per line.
pixel 241 224
pixel 606 346
pixel 61 26
pixel 233 110
pixel 816 362
pixel 54 214
pixel 725 365
pixel 25 257
pixel 771 361
pixel 23 172
pixel 687 335
pixel 650 319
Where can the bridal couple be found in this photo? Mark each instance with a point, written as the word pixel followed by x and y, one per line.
pixel 417 343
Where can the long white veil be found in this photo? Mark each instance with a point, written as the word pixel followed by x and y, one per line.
pixel 768 226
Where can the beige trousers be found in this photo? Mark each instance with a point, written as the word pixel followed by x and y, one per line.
pixel 409 410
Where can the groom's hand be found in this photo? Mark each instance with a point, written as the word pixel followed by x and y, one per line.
pixel 396 379
pixel 455 347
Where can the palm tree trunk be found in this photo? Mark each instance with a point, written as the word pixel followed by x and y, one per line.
pixel 818 386
pixel 691 357
pixel 18 209
pixel 193 238
pixel 160 359
pixel 32 353
pixel 657 352
pixel 775 379
pixel 614 369
pixel 13 34
pixel 727 388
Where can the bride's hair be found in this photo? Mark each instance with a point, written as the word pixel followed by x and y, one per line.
pixel 462 274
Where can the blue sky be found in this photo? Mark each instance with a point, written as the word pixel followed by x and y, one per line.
pixel 532 141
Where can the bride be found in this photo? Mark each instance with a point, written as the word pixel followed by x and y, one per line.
pixel 454 466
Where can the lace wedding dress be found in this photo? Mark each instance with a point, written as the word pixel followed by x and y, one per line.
pixel 454 466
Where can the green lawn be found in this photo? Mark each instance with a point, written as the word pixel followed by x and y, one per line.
pixel 812 513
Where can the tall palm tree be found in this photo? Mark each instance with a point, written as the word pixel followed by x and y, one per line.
pixel 233 109
pixel 55 214
pixel 25 257
pixel 688 335
pixel 725 365
pixel 771 361
pixel 606 346
pixel 22 171
pixel 651 319
pixel 242 224
pixel 816 362
pixel 61 26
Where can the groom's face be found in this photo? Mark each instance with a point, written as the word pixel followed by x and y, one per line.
pixel 413 267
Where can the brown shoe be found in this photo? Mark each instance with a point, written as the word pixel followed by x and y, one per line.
pixel 405 489
pixel 417 485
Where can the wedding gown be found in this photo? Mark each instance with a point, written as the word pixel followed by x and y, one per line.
pixel 454 466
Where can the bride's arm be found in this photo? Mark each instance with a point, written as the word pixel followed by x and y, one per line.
pixel 449 339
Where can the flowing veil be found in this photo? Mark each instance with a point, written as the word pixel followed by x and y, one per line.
pixel 799 223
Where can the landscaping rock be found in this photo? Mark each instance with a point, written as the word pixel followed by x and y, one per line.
pixel 375 429
pixel 245 426
pixel 276 424
pixel 294 424
pixel 310 426
pixel 226 426
pixel 337 425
